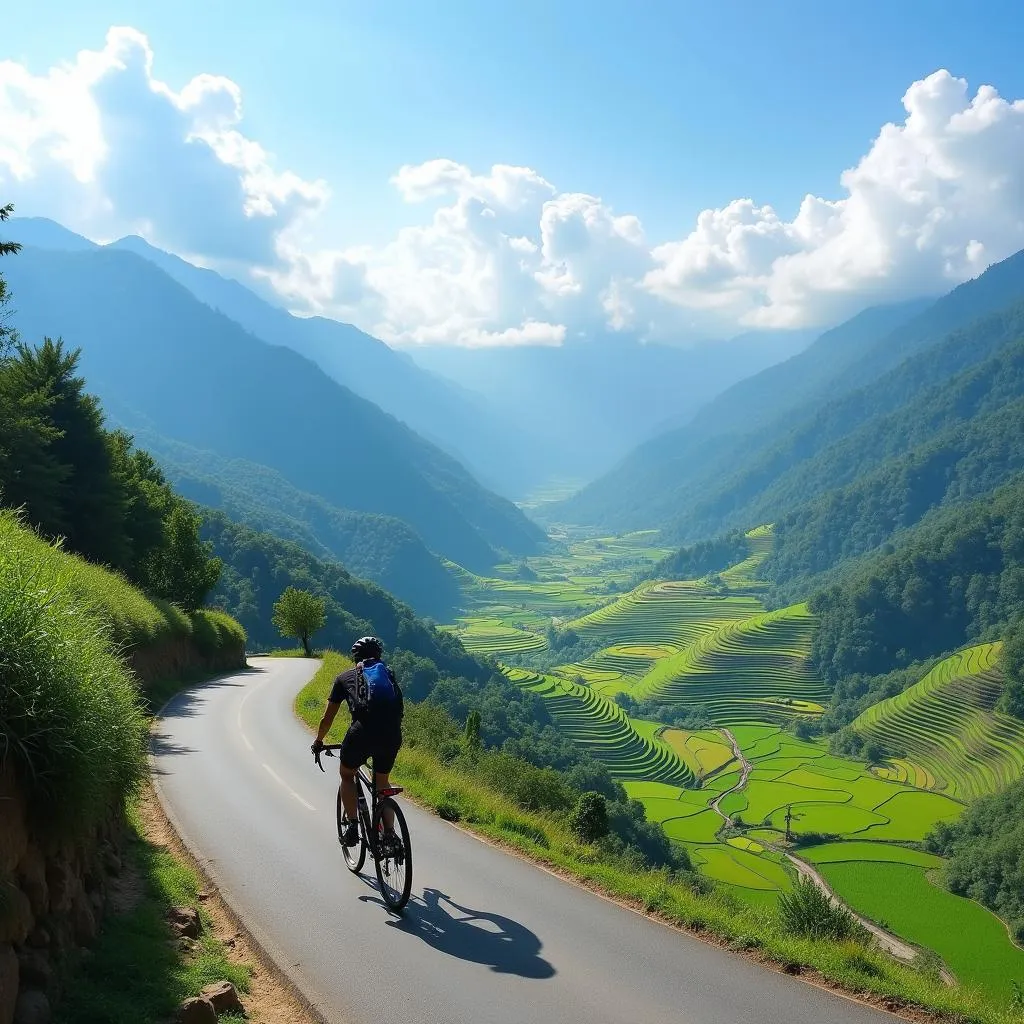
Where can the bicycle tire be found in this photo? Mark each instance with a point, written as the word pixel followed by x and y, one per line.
pixel 399 866
pixel 355 856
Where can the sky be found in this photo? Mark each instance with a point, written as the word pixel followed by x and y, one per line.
pixel 527 172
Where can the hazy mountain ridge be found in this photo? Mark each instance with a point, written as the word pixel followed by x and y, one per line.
pixel 149 343
pixel 684 479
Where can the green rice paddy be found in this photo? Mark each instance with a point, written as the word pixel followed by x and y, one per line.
pixel 970 939
pixel 710 644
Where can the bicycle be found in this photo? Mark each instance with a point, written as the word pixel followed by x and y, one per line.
pixel 391 848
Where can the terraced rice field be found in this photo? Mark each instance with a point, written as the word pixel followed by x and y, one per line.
pixel 972 941
pixel 603 729
pixel 686 644
pixel 667 615
pixel 754 668
pixel 493 637
pixel 947 730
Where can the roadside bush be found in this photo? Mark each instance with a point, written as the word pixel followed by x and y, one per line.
pixel 71 724
pixel 589 818
pixel 808 911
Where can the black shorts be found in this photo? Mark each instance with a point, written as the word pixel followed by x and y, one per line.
pixel 361 743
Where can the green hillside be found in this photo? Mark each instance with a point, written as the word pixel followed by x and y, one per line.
pixel 946 730
pixel 253 401
pixel 699 481
pixel 380 548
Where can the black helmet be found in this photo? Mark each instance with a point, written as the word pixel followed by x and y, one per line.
pixel 367 647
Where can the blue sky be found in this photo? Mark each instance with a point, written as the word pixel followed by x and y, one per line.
pixel 659 109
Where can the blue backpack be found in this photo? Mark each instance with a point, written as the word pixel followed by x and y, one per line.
pixel 376 690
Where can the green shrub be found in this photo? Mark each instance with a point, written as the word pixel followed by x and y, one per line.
pixel 807 910
pixel 589 818
pixel 71 724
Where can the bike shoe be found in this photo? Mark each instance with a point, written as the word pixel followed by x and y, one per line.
pixel 351 834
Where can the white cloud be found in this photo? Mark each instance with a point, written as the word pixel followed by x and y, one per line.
pixel 504 257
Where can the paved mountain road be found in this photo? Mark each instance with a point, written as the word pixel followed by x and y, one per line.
pixel 488 938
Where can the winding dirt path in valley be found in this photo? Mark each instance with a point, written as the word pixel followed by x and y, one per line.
pixel 892 943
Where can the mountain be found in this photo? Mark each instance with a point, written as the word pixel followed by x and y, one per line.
pixel 499 450
pixel 257 567
pixel 697 479
pixel 595 398
pixel 759 399
pixel 380 548
pixel 149 344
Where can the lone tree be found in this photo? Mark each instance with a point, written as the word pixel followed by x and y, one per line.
pixel 300 614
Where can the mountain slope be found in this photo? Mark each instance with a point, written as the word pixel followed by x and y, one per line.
pixel 688 477
pixel 380 548
pixel 149 344
pixel 594 398
pixel 499 450
pixel 963 376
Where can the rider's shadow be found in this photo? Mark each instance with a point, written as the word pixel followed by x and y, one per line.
pixel 503 944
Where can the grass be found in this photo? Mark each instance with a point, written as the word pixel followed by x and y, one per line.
pixel 71 719
pixel 971 940
pixel 730 918
pixel 135 974
pixel 946 729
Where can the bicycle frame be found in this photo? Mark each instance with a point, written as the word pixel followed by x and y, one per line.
pixel 368 782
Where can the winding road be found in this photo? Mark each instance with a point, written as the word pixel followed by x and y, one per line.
pixel 488 938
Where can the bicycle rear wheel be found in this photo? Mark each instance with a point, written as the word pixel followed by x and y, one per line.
pixel 392 855
pixel 355 856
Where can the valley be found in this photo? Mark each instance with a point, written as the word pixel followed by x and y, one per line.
pixel 664 681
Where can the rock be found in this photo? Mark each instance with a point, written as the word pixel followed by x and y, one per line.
pixel 197 1011
pixel 224 997
pixel 112 862
pixel 35 969
pixel 8 984
pixel 16 917
pixel 83 920
pixel 32 1007
pixel 14 834
pixel 61 883
pixel 202 896
pixel 31 878
pixel 185 921
pixel 792 967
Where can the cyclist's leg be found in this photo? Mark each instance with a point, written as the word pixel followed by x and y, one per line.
pixel 384 754
pixel 352 754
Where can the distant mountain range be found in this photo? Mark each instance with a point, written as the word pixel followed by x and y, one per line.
pixel 784 436
pixel 168 362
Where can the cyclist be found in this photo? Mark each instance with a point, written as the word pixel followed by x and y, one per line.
pixel 375 700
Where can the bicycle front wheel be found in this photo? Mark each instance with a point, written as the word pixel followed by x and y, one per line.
pixel 392 854
pixel 355 856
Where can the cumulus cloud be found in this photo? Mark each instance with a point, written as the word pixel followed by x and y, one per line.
pixel 933 202
pixel 504 256
pixel 108 148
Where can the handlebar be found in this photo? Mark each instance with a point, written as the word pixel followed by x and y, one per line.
pixel 327 749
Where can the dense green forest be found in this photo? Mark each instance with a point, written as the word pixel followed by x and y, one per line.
pixel 956 577
pixel 76 480
pixel 376 547
pixel 707 556
pixel 986 854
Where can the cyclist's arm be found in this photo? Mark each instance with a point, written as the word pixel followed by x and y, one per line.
pixel 330 713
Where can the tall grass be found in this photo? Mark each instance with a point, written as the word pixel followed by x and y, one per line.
pixel 71 723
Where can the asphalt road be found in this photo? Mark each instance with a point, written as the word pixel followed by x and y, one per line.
pixel 487 938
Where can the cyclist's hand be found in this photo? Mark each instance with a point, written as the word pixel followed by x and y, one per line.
pixel 316 747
